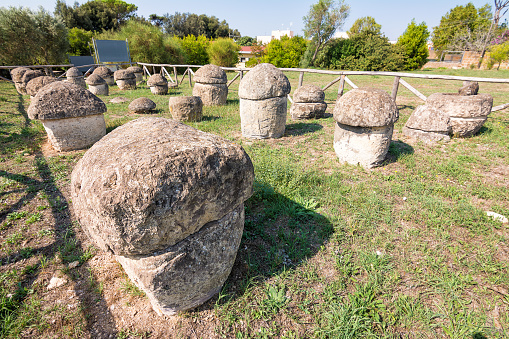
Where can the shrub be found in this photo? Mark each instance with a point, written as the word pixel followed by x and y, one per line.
pixel 414 43
pixel 286 52
pixel 79 41
pixel 224 52
pixel 195 49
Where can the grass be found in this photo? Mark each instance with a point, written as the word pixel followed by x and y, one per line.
pixel 328 251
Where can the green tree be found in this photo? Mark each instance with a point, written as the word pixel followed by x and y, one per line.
pixel 499 53
pixel 246 41
pixel 286 52
pixel 323 19
pixel 196 49
pixel 184 24
pixel 28 37
pixel 414 43
pixel 224 52
pixel 79 41
pixel 462 28
pixel 365 26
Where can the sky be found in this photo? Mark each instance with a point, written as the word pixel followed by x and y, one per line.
pixel 260 17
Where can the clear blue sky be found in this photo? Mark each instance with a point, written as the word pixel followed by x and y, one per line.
pixel 260 17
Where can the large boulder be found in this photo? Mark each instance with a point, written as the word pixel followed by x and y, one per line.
pixel 263 102
pixel 72 116
pixel 428 124
pixel 210 85
pixel 365 120
pixel 167 200
pixel 308 103
pixel 34 85
pixel 186 109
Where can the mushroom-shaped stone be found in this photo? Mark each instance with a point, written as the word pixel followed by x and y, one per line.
pixel 74 76
pixel 97 85
pixel 125 79
pixel 263 102
pixel 428 124
pixel 34 85
pixel 308 103
pixel 365 120
pixel 467 112
pixel 168 201
pixel 72 116
pixel 30 75
pixel 186 108
pixel 137 71
pixel 17 78
pixel 105 73
pixel 142 105
pixel 210 85
pixel 158 84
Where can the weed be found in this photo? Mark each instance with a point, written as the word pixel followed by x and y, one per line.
pixel 130 288
pixel 34 217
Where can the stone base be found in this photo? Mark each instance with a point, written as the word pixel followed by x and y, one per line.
pixel 366 146
pixel 75 133
pixel 211 94
pixel 262 119
pixel 186 108
pixel 159 90
pixel 464 127
pixel 300 111
pixel 126 85
pixel 109 80
pixel 99 90
pixel 79 81
pixel 192 271
pixel 425 136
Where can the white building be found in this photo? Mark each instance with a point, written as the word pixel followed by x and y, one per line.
pixel 276 35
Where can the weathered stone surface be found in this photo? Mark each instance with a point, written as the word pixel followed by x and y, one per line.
pixel 301 110
pixel 137 71
pixel 60 100
pixel 73 72
pixel 210 74
pixel 469 88
pixel 126 84
pixel 17 73
pixel 211 94
pixel 142 105
pixel 262 119
pixel 366 107
pixel 309 93
pixel 97 85
pixel 30 75
pixel 264 81
pixel 186 108
pixel 427 137
pixel 466 127
pixel 74 76
pixel 428 124
pixel 105 73
pixel 158 84
pixel 34 85
pixel 190 272
pixel 75 133
pixel 366 146
pixel 119 100
pixel 152 182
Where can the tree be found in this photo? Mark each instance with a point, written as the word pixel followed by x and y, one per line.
pixel 414 43
pixel 499 53
pixel 323 19
pixel 196 49
pixel 246 41
pixel 462 28
pixel 79 41
pixel 365 25
pixel 28 37
pixel 184 24
pixel 224 52
pixel 500 5
pixel 286 52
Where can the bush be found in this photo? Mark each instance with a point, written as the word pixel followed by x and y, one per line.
pixel 224 52
pixel 195 49
pixel 286 52
pixel 414 43
pixel 80 41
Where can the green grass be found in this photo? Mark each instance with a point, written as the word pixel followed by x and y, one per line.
pixel 328 251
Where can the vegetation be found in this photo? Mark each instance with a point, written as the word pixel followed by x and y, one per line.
pixel 499 53
pixel 195 48
pixel 223 52
pixel 365 26
pixel 414 43
pixel 286 52
pixel 246 41
pixel 80 41
pixel 28 37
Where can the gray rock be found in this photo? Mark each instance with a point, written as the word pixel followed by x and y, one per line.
pixel 142 105
pixel 262 119
pixel 158 84
pixel 125 79
pixel 300 110
pixel 366 107
pixel 469 88
pixel 428 124
pixel 30 75
pixel 17 73
pixel 137 71
pixel 210 74
pixel 34 85
pixel 186 108
pixel 74 76
pixel 105 73
pixel 264 81
pixel 97 85
pixel 309 93
pixel 211 94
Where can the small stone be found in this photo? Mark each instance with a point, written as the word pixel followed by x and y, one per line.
pixel 56 282
pixel 469 88
pixel 142 105
pixel 498 217
pixel 74 264
pixel 119 100
pixel 404 198
pixel 378 253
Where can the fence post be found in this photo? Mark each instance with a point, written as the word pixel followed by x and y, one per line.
pixel 395 86
pixel 301 78
pixel 241 74
pixel 341 86
pixel 175 72
pixel 189 74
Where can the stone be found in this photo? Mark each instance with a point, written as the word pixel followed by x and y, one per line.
pixel 210 85
pixel 365 120
pixel 125 79
pixel 428 124
pixel 74 76
pixel 97 85
pixel 72 116
pixel 263 102
pixel 56 282
pixel 142 105
pixel 158 84
pixel 497 217
pixel 187 108
pixel 137 71
pixel 74 264
pixel 168 201
pixel 105 73
pixel 469 88
pixel 467 113
pixel 17 78
pixel 119 100
pixel 308 103
pixel 34 85
pixel 30 75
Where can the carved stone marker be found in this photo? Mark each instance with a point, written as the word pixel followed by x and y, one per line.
pixel 17 78
pixel 158 84
pixel 142 105
pixel 97 85
pixel 428 124
pixel 125 79
pixel 186 108
pixel 308 103
pixel 74 76
pixel 210 85
pixel 105 73
pixel 34 85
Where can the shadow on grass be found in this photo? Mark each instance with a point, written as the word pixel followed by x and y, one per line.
pixel 301 128
pixel 210 118
pixel 403 107
pixel 397 150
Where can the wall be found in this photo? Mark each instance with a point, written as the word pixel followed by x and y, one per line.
pixel 469 58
